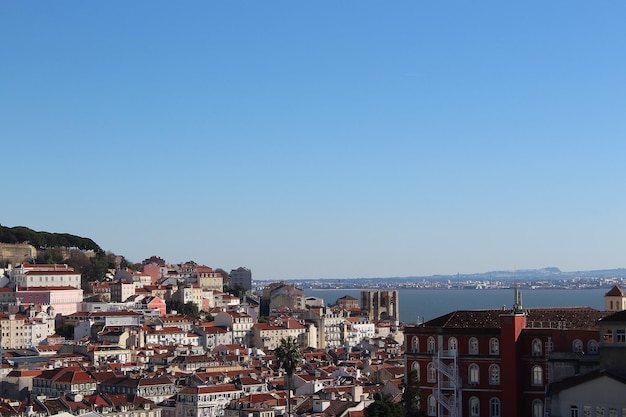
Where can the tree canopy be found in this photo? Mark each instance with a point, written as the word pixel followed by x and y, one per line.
pixel 190 308
pixel 383 407
pixel 412 395
pixel 43 240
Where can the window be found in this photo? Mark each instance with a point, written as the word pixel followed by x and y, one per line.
pixel 577 346
pixel 494 375
pixel 432 405
pixel 494 407
pixel 452 370
pixel 573 411
pixel 612 412
pixel 415 344
pixel 473 346
pixel 537 375
pixel 431 344
pixel 473 374
pixel 620 336
pixel 416 368
pixel 537 351
pixel 586 411
pixel 494 346
pixel 453 344
pixel 607 337
pixel 432 372
pixel 537 408
pixel 599 411
pixel 474 407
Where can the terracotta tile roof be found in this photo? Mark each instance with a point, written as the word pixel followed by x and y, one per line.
pixel 335 407
pixel 573 317
pixel 166 330
pixel 50 272
pixel 210 389
pixel 74 377
pixel 249 381
pixel 215 330
pixel 25 373
pixel 615 292
pixel 49 288
pixel 347 297
pixel 619 316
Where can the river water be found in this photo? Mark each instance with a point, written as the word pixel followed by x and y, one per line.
pixel 418 305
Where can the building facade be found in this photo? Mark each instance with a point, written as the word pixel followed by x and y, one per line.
pixel 44 275
pixel 499 363
pixel 241 277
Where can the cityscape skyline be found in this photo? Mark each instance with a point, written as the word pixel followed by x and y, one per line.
pixel 320 140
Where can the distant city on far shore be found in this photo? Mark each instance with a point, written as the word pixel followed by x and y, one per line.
pixel 545 278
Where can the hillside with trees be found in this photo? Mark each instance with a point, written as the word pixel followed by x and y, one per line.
pixel 46 240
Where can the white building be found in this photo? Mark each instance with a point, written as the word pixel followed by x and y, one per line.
pixel 212 336
pixel 239 323
pixel 171 336
pixel 22 332
pixel 358 328
pixel 44 275
pixel 205 401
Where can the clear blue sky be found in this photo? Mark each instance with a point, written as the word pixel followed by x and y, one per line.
pixel 320 139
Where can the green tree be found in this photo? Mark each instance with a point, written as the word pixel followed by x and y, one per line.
pixel 189 308
pixel 237 290
pixel 412 395
pixel 50 256
pixel 65 330
pixel 288 356
pixel 383 407
pixel 225 275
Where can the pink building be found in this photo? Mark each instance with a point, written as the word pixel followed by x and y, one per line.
pixel 152 302
pixel 154 271
pixel 64 300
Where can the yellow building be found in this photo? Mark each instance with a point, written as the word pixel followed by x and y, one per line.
pixel 267 336
pixel 209 279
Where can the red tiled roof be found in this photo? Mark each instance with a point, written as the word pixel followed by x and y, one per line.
pixel 210 389
pixel 573 317
pixel 615 292
pixel 51 272
pixel 50 288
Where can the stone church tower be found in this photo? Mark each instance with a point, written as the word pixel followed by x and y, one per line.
pixel 380 305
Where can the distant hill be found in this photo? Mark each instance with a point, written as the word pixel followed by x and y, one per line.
pixel 548 273
pixel 46 240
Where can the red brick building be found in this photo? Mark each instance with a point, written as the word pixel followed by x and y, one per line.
pixel 498 363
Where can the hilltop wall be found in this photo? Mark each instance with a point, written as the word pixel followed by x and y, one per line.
pixel 16 253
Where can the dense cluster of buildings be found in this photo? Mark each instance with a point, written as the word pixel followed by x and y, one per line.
pixel 118 349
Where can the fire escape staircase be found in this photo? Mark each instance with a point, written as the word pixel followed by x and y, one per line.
pixel 448 391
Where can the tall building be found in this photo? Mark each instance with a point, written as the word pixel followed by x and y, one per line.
pixel 242 277
pixel 380 305
pixel 500 363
